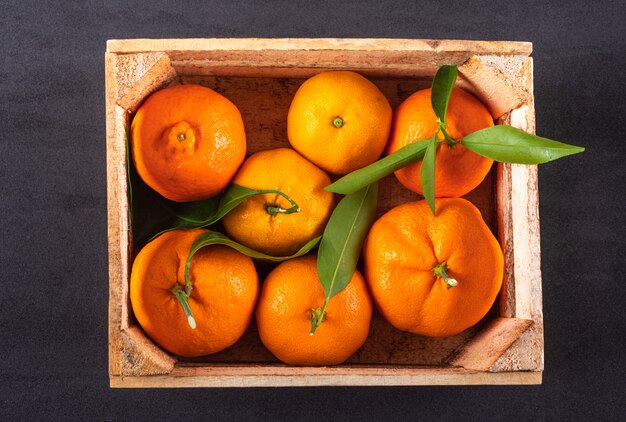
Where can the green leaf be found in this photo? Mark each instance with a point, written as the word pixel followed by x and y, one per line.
pixel 442 89
pixel 358 179
pixel 427 173
pixel 234 196
pixel 511 145
pixel 342 241
pixel 187 215
pixel 215 238
pixel 196 213
pixel 343 238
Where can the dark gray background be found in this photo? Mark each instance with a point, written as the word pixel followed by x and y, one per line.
pixel 53 259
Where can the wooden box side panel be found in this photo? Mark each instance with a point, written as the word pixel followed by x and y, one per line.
pixel 117 208
pixel 128 79
pixel 209 45
pixel 301 58
pixel 518 199
pixel 515 341
pixel 283 376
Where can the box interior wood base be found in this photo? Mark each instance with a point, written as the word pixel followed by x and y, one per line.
pixel 260 77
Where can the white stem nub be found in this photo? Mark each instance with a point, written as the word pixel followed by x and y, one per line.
pixel 192 322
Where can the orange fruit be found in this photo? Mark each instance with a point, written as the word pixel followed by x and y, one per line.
pixel 225 290
pixel 289 296
pixel 339 120
pixel 187 142
pixel 406 254
pixel 253 224
pixel 457 169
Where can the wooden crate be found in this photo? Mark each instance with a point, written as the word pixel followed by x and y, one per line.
pixel 260 76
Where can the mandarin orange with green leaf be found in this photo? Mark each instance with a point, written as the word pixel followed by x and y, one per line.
pixel 269 223
pixel 433 275
pixel 292 297
pixel 457 169
pixel 187 142
pixel 211 313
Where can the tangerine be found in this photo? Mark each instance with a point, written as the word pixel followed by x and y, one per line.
pixel 457 169
pixel 225 290
pixel 290 295
pixel 339 120
pixel 434 276
pixel 187 142
pixel 262 222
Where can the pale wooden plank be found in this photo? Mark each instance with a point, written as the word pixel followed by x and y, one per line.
pixel 491 85
pixel 525 223
pixel 505 237
pixel 418 68
pixel 142 76
pixel 117 212
pixel 514 71
pixel 412 70
pixel 490 344
pixel 132 67
pixel 526 354
pixel 517 210
pixel 302 58
pixel 524 296
pixel 130 352
pixel 282 376
pixel 524 267
pixel 303 62
pixel 343 44
pixel 142 356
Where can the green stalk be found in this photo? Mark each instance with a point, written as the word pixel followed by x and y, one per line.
pixel 440 271
pixel 338 122
pixel 318 316
pixel 449 140
pixel 273 209
pixel 183 299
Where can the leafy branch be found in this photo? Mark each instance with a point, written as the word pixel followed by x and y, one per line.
pixel 501 143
